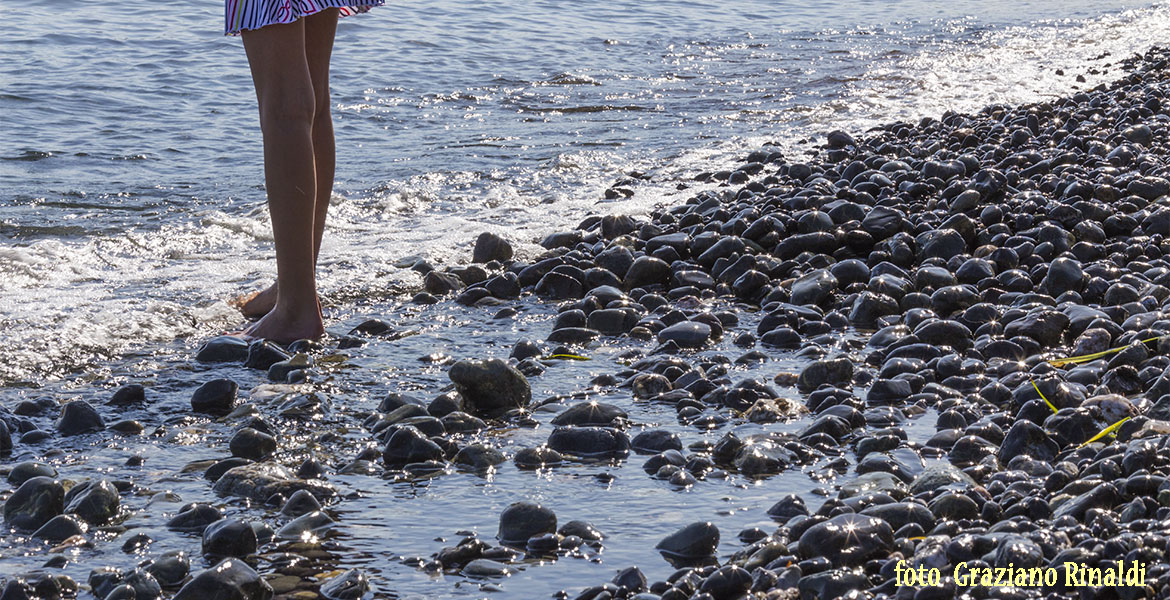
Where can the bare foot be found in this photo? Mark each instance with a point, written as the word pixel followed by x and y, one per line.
pixel 256 304
pixel 282 328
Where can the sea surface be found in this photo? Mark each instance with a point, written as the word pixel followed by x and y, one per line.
pixel 132 207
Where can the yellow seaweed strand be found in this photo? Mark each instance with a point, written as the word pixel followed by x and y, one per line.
pixel 1104 432
pixel 1072 360
pixel 566 357
pixel 1042 396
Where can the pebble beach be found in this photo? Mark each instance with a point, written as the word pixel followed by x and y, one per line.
pixel 941 345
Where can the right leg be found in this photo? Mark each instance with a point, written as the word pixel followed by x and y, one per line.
pixel 284 90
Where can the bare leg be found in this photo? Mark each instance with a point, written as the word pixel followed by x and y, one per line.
pixel 320 30
pixel 284 88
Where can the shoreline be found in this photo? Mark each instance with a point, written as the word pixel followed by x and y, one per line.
pixel 1042 208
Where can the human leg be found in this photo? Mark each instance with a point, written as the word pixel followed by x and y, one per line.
pixel 284 90
pixel 320 30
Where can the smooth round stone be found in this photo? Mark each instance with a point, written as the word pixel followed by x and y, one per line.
pixel 300 503
pixel 170 569
pixel 231 579
pixel 24 471
pixel 34 503
pixel 308 525
pixel 461 422
pixel 523 520
pixel 252 444
pixel 78 417
pixel 687 334
pixel 787 507
pixel 216 397
pixel 350 585
pixel 128 395
pixel 728 582
pixel 695 541
pixel 60 528
pixel 813 288
pixel 589 442
pixel 136 543
pixel 490 387
pixel 141 586
pixel 954 506
pixel 653 441
pixel 408 445
pixel 478 457
pixel 229 537
pixel 225 348
pixel 96 502
pixel 847 540
pixel 591 413
pixel 538 458
pixel 194 518
pixel 581 529
pixel 836 371
pixel 482 567
pixel 262 354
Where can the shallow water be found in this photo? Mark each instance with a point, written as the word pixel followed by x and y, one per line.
pixel 131 206
pixel 131 201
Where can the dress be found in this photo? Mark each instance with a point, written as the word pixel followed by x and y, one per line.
pixel 240 15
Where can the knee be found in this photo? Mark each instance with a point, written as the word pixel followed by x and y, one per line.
pixel 287 110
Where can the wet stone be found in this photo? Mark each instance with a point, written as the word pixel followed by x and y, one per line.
pixel 687 334
pixel 263 354
pixel 252 444
pixel 231 579
pixel 787 507
pixel 653 441
pixel 300 503
pixel 216 397
pixel 306 526
pixel 1026 438
pixel 194 518
pixel 128 395
pixel 78 417
pixel 24 471
pixel 260 481
pixel 537 458
pixel 592 413
pixel 170 570
pixel 837 371
pixel 96 502
pixel 695 541
pixel 138 584
pixel 478 457
pixel 847 539
pixel 34 503
pixel 225 348
pixel 523 520
pixel 350 585
pixel 589 442
pixel 490 387
pixel 136 543
pixel 407 445
pixel 60 528
pixel 228 538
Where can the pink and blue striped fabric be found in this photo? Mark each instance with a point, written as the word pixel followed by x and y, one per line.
pixel 240 15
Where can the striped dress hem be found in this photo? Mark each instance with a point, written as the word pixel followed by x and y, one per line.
pixel 243 15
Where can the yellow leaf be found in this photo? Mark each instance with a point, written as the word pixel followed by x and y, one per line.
pixel 1104 432
pixel 1042 396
